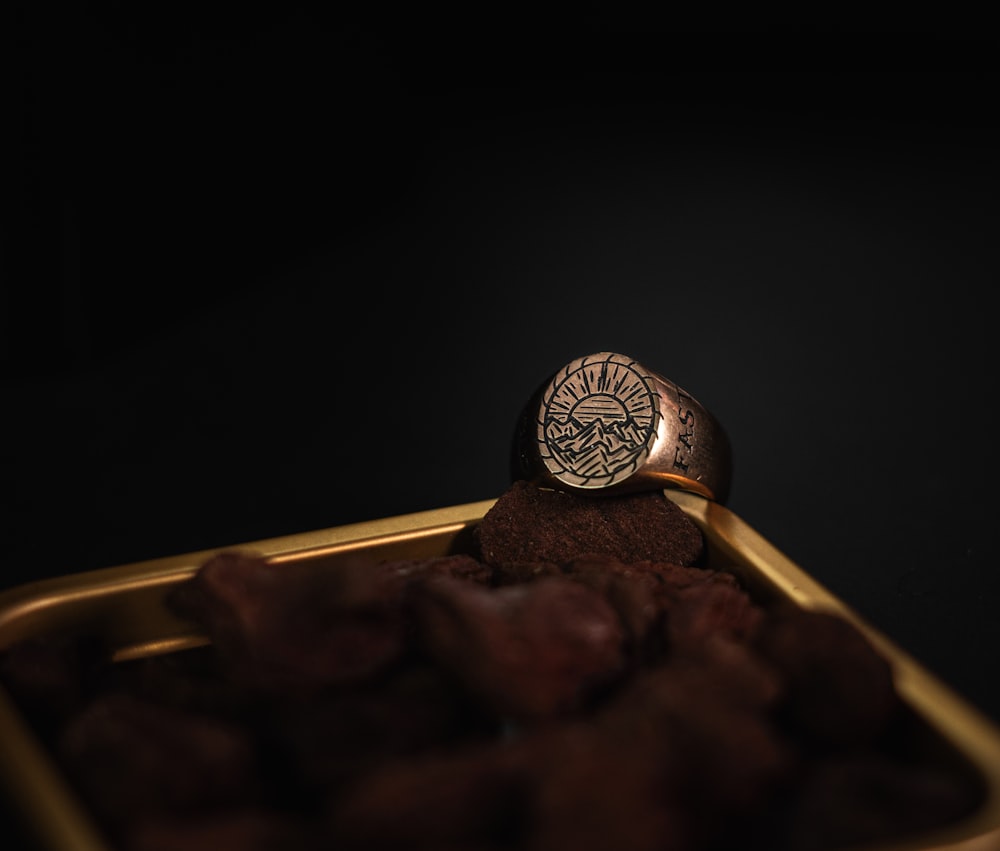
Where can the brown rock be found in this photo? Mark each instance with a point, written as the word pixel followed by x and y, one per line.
pixel 532 524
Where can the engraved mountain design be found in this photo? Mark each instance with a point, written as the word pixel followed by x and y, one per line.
pixel 599 421
pixel 597 446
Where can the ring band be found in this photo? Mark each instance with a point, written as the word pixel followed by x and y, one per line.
pixel 606 424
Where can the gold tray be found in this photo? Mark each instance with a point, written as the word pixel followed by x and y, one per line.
pixel 124 606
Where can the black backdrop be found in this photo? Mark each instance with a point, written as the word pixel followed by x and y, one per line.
pixel 271 272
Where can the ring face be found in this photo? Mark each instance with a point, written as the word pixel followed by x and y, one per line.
pixel 598 420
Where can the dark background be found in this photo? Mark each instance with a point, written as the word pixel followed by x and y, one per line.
pixel 271 271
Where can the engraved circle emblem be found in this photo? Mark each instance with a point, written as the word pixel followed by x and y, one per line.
pixel 598 420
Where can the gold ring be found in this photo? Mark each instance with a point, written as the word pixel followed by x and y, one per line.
pixel 605 424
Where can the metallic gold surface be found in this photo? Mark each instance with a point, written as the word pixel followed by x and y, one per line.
pixel 124 605
pixel 768 573
pixel 606 424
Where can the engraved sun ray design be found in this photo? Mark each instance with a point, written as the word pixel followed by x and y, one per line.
pixel 598 420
